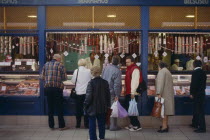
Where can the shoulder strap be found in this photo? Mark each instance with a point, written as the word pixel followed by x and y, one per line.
pixel 76 78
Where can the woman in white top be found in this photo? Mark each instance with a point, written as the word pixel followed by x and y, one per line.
pixel 84 76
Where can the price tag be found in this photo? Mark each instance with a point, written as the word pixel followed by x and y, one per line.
pixel 106 55
pixel 164 54
pixel 66 53
pixel 3 88
pixel 122 55
pixel 96 57
pixel 134 55
pixel 205 59
pixel 29 63
pixel 17 63
pixel 5 63
pixel 138 64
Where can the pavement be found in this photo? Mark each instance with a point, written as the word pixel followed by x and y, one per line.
pixel 33 132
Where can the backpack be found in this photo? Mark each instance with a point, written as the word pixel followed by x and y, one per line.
pixel 142 86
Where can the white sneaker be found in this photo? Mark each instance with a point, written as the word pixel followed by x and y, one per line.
pixel 129 127
pixel 136 128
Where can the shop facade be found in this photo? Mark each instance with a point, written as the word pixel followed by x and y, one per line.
pixel 32 31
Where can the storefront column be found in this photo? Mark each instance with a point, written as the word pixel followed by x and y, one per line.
pixel 42 42
pixel 144 53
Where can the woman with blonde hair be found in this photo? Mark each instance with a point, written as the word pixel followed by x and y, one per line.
pixel 80 78
pixel 96 103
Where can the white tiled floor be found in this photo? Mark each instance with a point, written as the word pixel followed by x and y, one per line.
pixel 28 132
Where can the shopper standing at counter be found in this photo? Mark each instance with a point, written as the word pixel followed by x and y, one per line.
pixel 96 103
pixel 197 92
pixel 53 74
pixel 132 80
pixel 81 77
pixel 92 61
pixel 164 89
pixel 112 74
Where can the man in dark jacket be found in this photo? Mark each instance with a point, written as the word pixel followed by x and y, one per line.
pixel 96 103
pixel 197 91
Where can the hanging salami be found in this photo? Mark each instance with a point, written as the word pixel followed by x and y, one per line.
pixel 198 45
pixel 10 45
pixel 105 43
pixel 126 48
pixel 101 44
pixel 201 45
pixel 33 46
pixel 183 45
pixel 179 45
pixel 187 44
pixel 193 45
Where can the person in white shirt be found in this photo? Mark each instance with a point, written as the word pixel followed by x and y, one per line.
pixel 92 61
pixel 84 76
pixel 189 64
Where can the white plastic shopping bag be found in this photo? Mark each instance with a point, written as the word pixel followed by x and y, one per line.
pixel 162 108
pixel 114 108
pixel 133 109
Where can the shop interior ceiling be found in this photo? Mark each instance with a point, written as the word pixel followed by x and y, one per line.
pixel 105 17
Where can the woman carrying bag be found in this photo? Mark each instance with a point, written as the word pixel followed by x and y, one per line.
pixel 80 78
pixel 165 90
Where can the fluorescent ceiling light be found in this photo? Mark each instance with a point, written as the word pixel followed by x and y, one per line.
pixel 32 16
pixel 185 24
pixel 190 16
pixel 11 24
pixel 111 16
pixel 85 24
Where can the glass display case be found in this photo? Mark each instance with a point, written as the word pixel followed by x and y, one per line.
pixel 19 85
pixel 181 85
pixel 178 50
pixel 68 85
pixel 19 53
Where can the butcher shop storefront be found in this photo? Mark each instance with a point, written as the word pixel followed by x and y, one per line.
pixel 31 32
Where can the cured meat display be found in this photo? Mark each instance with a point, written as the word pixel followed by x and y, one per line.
pixel 17 47
pixel 101 43
pixel 178 43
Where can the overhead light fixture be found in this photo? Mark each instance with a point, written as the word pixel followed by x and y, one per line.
pixel 32 16
pixel 111 16
pixel 190 16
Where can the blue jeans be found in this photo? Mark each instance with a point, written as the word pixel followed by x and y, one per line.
pixel 101 119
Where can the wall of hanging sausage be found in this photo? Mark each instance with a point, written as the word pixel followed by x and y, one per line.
pixel 19 53
pixel 179 50
pixel 75 45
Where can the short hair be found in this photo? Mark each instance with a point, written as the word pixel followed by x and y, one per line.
pixel 115 60
pixel 197 63
pixel 95 71
pixel 82 62
pixel 56 56
pixel 162 65
pixel 131 58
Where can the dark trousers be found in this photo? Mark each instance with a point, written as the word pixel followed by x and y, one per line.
pixel 79 110
pixel 55 102
pixel 133 119
pixel 199 113
pixel 101 118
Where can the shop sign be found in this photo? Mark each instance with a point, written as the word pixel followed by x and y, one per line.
pixel 196 2
pixel 8 1
pixel 94 1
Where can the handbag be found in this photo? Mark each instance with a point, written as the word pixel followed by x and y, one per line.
pixel 156 111
pixel 73 94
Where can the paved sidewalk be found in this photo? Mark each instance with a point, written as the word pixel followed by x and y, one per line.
pixel 20 132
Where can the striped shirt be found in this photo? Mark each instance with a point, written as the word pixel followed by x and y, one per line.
pixel 53 74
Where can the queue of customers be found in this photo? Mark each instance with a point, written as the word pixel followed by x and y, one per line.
pixel 97 91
